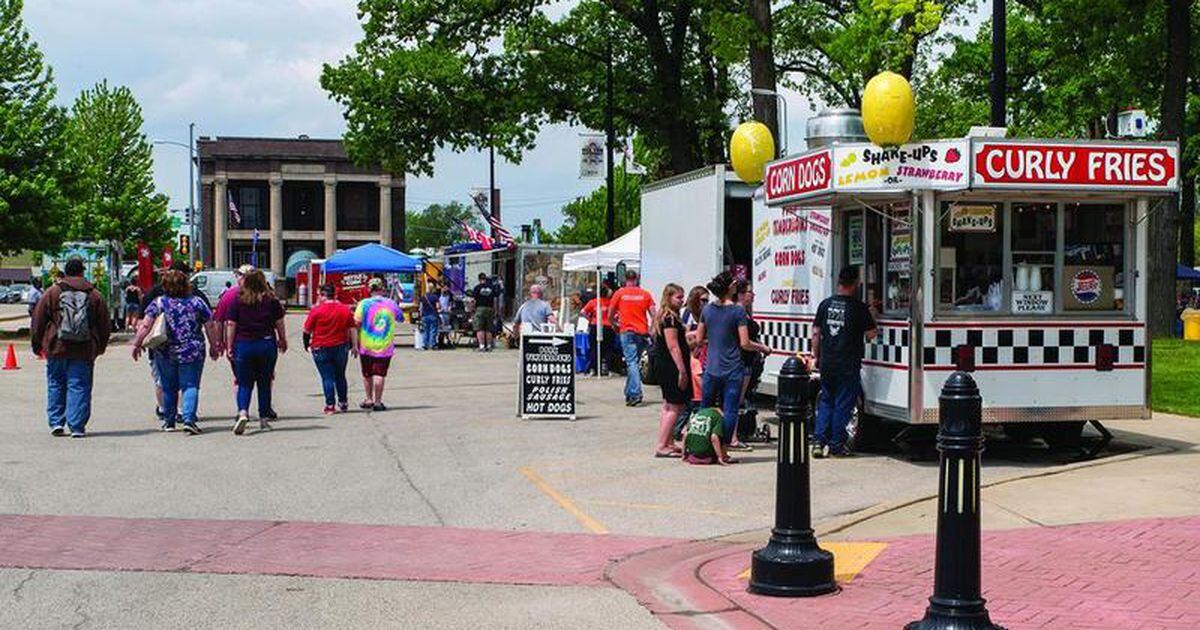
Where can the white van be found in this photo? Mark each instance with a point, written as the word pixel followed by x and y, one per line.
pixel 213 282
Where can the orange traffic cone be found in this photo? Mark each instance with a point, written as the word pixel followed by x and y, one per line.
pixel 10 359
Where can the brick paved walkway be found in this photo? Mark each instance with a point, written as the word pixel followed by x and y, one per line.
pixel 1124 574
pixel 334 550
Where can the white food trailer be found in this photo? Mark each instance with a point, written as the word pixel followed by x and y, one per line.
pixel 1023 261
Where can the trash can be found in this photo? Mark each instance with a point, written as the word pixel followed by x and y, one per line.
pixel 583 354
pixel 1191 324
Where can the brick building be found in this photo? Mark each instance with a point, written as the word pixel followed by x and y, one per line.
pixel 302 194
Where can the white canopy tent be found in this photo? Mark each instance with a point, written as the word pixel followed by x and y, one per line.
pixel 624 249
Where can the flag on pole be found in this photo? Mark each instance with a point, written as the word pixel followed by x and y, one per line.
pixel 476 236
pixel 233 212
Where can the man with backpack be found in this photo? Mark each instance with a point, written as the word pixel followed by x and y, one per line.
pixel 70 328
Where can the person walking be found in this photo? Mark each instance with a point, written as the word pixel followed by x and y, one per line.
pixel 632 308
pixel 842 327
pixel 329 334
pixel 669 361
pixel 181 361
pixel 725 327
pixel 70 328
pixel 430 322
pixel 445 306
pixel 33 295
pixel 534 313
pixel 255 334
pixel 133 306
pixel 376 317
pixel 156 292
pixel 485 294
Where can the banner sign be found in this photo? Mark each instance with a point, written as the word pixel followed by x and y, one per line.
pixel 855 238
pixel 791 259
pixel 807 175
pixel 547 374
pixel 1047 165
pixel 145 267
pixel 591 156
pixel 972 218
pixel 938 165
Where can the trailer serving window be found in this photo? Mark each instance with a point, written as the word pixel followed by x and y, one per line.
pixel 1032 258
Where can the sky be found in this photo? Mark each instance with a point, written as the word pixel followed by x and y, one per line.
pixel 252 68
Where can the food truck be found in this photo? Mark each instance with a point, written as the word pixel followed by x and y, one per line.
pixel 1021 261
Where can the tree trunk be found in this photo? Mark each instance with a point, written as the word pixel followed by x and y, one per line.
pixel 762 70
pixel 1187 213
pixel 1164 224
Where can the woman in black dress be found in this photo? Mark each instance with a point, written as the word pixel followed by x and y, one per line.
pixel 671 368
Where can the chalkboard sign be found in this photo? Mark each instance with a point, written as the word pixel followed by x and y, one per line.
pixel 547 376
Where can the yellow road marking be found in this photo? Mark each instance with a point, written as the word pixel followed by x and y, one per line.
pixel 849 558
pixel 588 522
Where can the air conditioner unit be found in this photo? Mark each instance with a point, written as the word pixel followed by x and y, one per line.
pixel 1131 123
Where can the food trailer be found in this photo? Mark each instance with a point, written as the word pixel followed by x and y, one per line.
pixel 1021 261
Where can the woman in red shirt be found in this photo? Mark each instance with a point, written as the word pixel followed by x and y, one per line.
pixel 328 331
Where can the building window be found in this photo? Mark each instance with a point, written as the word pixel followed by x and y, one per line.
pixel 1094 257
pixel 1034 244
pixel 970 257
pixel 251 200
pixel 304 206
pixel 357 207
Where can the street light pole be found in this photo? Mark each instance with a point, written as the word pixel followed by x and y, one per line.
pixel 191 195
pixel 610 215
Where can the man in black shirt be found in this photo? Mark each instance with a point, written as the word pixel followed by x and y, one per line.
pixel 842 326
pixel 485 294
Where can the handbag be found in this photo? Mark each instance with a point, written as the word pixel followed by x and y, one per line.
pixel 158 336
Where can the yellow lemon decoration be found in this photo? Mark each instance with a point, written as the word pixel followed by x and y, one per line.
pixel 888 109
pixel 750 148
pixel 850 160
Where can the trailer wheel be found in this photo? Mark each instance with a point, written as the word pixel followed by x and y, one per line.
pixel 1063 435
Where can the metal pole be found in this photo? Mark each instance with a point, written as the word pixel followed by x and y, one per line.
pixel 792 564
pixel 191 196
pixel 610 215
pixel 599 322
pixel 999 83
pixel 957 602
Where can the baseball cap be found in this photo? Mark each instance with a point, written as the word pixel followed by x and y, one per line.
pixel 375 284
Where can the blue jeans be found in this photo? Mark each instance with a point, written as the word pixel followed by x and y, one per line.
pixel 429 331
pixel 632 346
pixel 254 363
pixel 839 393
pixel 180 379
pixel 331 365
pixel 725 392
pixel 69 393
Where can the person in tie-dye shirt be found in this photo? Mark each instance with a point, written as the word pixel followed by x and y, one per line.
pixel 377 318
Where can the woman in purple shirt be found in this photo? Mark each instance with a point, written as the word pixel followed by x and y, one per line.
pixel 255 335
pixel 181 361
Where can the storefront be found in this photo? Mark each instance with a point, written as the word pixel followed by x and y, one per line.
pixel 1022 261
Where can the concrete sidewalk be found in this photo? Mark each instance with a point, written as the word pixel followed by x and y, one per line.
pixel 1113 543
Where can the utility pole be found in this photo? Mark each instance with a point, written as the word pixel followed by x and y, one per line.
pixel 999 83
pixel 192 196
pixel 610 213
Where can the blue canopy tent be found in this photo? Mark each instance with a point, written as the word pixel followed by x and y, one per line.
pixel 372 258
pixel 1184 272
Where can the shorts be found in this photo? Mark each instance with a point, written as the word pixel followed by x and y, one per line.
pixel 151 359
pixel 374 366
pixel 483 319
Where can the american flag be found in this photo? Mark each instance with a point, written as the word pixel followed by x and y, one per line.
pixel 476 236
pixel 503 236
pixel 233 212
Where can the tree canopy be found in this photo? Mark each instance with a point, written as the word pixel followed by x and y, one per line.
pixel 114 198
pixel 438 224
pixel 33 205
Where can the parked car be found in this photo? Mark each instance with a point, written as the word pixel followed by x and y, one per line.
pixel 6 295
pixel 213 282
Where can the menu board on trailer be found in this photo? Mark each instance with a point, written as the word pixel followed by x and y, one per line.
pixel 791 259
pixel 547 374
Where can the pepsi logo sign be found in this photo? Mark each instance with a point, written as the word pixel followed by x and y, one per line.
pixel 1085 286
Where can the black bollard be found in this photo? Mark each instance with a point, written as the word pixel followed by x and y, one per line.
pixel 957 602
pixel 792 565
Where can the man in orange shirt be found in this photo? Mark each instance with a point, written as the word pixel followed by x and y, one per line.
pixel 632 308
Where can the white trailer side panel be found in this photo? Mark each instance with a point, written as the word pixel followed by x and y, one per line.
pixel 683 229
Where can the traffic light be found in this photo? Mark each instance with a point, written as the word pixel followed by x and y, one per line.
pixel 185 244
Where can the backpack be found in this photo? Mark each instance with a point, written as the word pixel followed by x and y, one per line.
pixel 74 316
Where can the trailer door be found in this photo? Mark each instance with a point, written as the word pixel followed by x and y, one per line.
pixel 682 229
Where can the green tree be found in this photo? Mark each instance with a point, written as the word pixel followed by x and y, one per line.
pixel 114 198
pixel 438 225
pixel 465 73
pixel 584 217
pixel 33 208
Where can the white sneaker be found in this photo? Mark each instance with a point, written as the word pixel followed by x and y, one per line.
pixel 239 425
